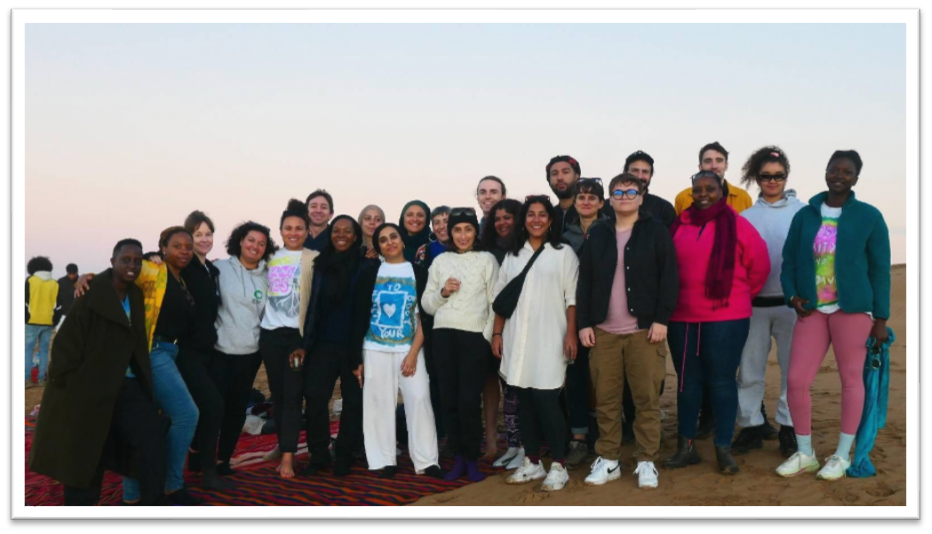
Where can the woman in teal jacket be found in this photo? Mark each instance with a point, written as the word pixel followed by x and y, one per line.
pixel 842 308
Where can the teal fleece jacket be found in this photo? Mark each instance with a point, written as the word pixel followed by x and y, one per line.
pixel 862 257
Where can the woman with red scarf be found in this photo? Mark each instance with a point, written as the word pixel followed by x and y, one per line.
pixel 723 263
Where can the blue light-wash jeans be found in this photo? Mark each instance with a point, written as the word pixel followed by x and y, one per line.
pixel 172 397
pixel 42 335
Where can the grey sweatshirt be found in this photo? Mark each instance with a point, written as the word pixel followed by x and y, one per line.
pixel 772 222
pixel 242 298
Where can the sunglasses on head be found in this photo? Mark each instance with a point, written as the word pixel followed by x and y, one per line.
pixel 620 194
pixel 537 198
pixel 590 180
pixel 459 212
pixel 703 174
pixel 772 177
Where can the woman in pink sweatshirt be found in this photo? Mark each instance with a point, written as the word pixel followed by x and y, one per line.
pixel 723 263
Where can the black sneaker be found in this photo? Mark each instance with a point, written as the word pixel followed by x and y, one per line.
pixel 749 438
pixel 434 471
pixel 578 451
pixel 767 431
pixel 787 436
pixel 184 498
pixel 388 472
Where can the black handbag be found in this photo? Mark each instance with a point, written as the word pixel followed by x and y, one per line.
pixel 506 301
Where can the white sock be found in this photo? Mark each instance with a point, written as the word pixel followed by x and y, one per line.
pixel 804 444
pixel 845 441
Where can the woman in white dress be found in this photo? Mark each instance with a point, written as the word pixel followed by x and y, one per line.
pixel 539 339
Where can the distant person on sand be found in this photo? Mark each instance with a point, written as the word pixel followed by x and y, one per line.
pixel 319 206
pixel 41 298
pixel 100 393
pixel 66 285
pixel 839 307
pixel 771 215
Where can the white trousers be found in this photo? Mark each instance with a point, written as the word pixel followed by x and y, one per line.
pixel 381 379
pixel 777 322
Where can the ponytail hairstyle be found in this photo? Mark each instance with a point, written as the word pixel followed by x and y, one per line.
pixel 295 208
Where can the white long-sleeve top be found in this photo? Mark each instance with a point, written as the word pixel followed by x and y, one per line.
pixel 469 308
pixel 533 336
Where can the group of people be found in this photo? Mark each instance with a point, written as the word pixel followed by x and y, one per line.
pixel 532 303
pixel 48 301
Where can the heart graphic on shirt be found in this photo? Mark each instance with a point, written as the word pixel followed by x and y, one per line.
pixel 389 309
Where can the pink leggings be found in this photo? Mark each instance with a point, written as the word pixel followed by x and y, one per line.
pixel 847 333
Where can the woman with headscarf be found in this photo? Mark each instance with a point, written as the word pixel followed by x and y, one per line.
pixel 414 228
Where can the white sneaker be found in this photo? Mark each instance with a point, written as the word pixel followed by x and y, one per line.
pixel 556 479
pixel 528 472
pixel 506 458
pixel 517 461
pixel 834 469
pixel 603 471
pixel 647 475
pixel 798 464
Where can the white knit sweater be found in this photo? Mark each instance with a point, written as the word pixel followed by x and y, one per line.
pixel 470 308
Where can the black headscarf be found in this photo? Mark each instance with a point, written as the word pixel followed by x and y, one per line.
pixel 414 241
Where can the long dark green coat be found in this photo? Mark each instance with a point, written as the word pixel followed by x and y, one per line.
pixel 90 355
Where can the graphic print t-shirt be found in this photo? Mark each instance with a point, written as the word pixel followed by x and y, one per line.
pixel 823 250
pixel 283 305
pixel 394 309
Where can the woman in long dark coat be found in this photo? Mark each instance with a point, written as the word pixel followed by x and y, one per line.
pixel 97 410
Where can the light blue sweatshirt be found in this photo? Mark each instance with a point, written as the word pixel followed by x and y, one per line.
pixel 772 222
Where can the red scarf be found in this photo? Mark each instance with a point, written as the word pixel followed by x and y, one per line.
pixel 721 272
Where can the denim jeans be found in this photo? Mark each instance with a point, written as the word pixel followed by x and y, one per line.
pixel 707 354
pixel 172 397
pixel 37 334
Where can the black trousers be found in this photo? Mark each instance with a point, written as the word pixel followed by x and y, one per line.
pixel 323 366
pixel 195 368
pixel 285 384
pixel 137 425
pixel 541 414
pixel 461 360
pixel 234 374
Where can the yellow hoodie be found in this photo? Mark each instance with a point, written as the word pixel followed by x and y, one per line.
pixel 43 297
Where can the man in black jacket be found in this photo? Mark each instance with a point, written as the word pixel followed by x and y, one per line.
pixel 627 290
pixel 641 165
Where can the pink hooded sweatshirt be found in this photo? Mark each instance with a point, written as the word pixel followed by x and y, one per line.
pixel 693 251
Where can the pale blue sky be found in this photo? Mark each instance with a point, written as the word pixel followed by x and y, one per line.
pixel 131 126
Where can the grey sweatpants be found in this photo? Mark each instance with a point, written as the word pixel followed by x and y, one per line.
pixel 778 323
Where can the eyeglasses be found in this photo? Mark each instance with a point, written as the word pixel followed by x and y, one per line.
pixel 459 212
pixel 619 194
pixel 537 198
pixel 772 177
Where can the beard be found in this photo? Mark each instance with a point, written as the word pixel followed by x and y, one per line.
pixel 562 195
